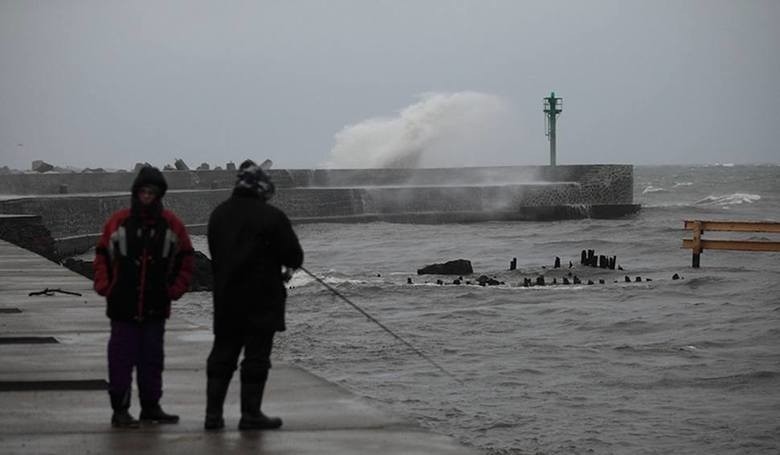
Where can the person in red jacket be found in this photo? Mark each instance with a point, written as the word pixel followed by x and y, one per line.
pixel 143 261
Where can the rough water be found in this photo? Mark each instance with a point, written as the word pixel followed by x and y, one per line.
pixel 661 366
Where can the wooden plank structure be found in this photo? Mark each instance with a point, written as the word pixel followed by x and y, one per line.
pixel 697 244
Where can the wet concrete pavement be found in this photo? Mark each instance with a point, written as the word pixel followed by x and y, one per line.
pixel 53 397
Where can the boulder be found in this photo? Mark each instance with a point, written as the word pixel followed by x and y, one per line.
pixel 83 268
pixel 485 280
pixel 138 166
pixel 456 267
pixel 203 167
pixel 202 279
pixel 41 166
pixel 181 165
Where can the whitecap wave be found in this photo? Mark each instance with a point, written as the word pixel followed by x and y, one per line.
pixel 729 199
pixel 301 278
pixel 679 184
pixel 653 189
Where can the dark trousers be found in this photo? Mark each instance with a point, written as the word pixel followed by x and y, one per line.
pixel 223 359
pixel 136 345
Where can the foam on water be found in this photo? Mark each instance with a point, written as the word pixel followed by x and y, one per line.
pixel 652 189
pixel 730 199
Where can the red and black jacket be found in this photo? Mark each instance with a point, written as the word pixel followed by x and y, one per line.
pixel 141 265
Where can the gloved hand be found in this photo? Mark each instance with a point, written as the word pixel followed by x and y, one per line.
pixel 287 274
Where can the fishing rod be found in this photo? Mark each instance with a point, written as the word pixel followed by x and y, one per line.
pixel 384 327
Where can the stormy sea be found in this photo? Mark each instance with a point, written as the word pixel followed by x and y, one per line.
pixel 654 365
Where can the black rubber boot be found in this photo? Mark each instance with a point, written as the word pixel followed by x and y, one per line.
pixel 251 416
pixel 216 390
pixel 120 403
pixel 152 412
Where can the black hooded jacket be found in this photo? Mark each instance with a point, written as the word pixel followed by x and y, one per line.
pixel 249 241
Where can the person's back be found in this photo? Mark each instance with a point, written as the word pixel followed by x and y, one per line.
pixel 250 241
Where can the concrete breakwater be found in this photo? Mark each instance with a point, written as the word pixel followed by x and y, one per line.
pixel 74 206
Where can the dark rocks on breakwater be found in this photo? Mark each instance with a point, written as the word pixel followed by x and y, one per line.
pixel 202 279
pixel 456 267
pixel 138 166
pixel 27 231
pixel 83 268
pixel 41 166
pixel 181 165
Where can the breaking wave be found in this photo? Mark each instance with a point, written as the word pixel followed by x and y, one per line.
pixel 653 189
pixel 451 129
pixel 729 199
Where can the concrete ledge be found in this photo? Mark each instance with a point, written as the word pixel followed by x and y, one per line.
pixel 195 441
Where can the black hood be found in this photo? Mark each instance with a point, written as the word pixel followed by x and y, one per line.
pixel 149 175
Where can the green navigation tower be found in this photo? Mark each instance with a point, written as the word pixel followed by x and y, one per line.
pixel 552 107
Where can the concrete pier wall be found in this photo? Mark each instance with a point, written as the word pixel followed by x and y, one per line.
pixel 85 214
pixel 103 182
pixel 76 217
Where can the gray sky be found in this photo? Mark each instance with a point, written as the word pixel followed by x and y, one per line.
pixel 110 83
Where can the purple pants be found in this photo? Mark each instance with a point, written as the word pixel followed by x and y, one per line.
pixel 139 345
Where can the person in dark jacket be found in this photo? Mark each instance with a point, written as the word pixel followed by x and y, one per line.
pixel 253 252
pixel 143 260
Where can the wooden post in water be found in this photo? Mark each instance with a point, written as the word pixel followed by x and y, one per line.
pixel 696 248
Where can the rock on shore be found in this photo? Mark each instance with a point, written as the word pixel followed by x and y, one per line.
pixel 456 267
